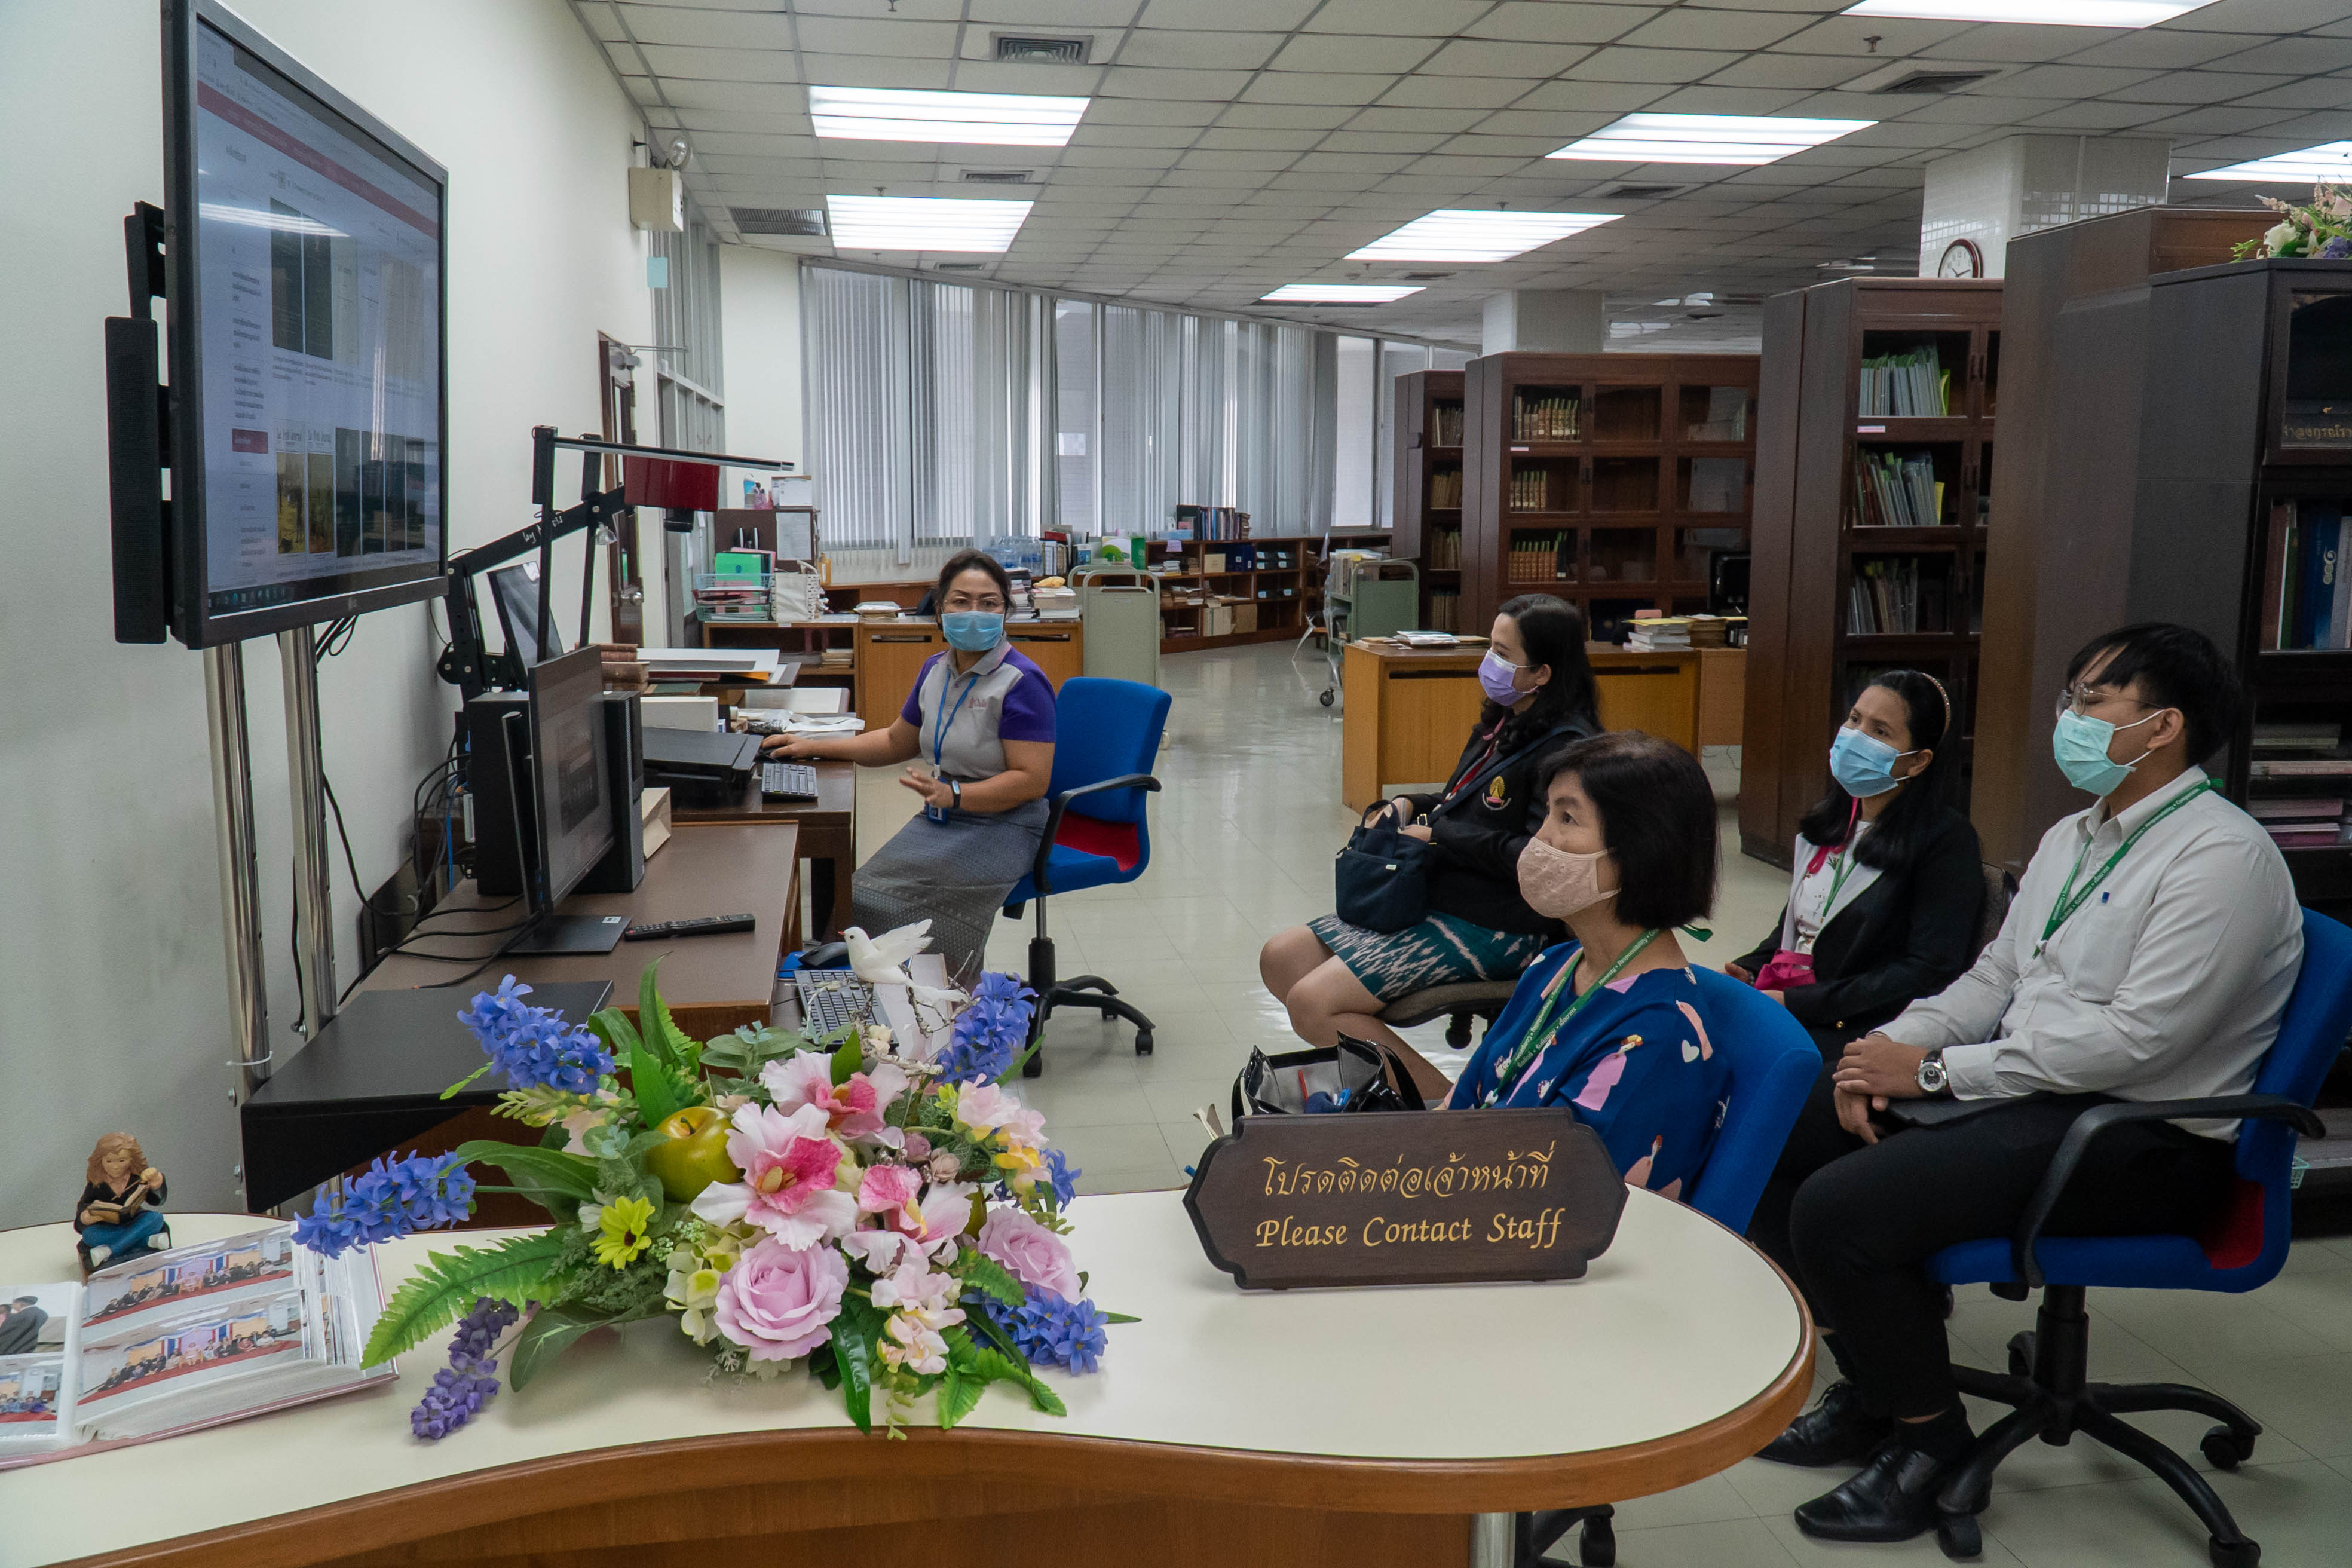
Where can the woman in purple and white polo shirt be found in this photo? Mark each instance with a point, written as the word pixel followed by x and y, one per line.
pixel 978 732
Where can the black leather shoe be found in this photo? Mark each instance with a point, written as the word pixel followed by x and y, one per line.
pixel 1837 1431
pixel 1893 1498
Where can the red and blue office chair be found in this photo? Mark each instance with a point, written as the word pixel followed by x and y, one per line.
pixel 1774 1064
pixel 1106 741
pixel 2046 1381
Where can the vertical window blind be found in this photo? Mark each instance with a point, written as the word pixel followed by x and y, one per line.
pixel 943 413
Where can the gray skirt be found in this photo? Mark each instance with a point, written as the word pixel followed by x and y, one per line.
pixel 954 874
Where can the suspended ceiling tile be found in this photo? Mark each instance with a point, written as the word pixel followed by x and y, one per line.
pixel 712 28
pixel 2321 93
pixel 875 70
pixel 677 62
pixel 1710 97
pixel 877 35
pixel 1285 116
pixel 2293 56
pixel 2095 117
pixel 1114 135
pixel 1768 71
pixel 1694 28
pixel 1315 87
pixel 755 97
pixel 1335 52
pixel 1354 141
pixel 911 10
pixel 2058 81
pixel 1546 21
pixel 2023 43
pixel 1894 38
pixel 1189 86
pixel 1617 63
pixel 1258 142
pixel 2260 16
pixel 1613 98
pixel 1223 16
pixel 2194 87
pixel 1217 179
pixel 1222 50
pixel 995 76
pixel 1117 158
pixel 1452 92
pixel 1408 18
pixel 1209 156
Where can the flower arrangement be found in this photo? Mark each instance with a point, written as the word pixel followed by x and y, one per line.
pixel 2323 230
pixel 892 1221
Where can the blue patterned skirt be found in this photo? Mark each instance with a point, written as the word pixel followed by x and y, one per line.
pixel 1441 950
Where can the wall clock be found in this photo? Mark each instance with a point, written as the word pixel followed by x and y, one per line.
pixel 1961 259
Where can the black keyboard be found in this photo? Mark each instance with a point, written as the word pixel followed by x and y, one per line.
pixel 787 781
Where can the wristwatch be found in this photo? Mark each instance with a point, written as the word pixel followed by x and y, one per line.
pixel 1933 1078
pixel 955 797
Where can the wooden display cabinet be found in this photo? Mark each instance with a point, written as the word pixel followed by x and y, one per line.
pixel 1870 524
pixel 1609 480
pixel 1428 424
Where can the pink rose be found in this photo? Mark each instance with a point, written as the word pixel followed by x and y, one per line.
pixel 1034 1255
pixel 779 1304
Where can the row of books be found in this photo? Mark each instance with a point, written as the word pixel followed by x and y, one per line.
pixel 1445 488
pixel 2303 821
pixel 1445 610
pixel 1543 558
pixel 1446 427
pixel 1554 419
pixel 1211 522
pixel 2308 593
pixel 174 1341
pixel 1445 550
pixel 1912 385
pixel 1894 596
pixel 1530 489
pixel 1896 490
pixel 2306 757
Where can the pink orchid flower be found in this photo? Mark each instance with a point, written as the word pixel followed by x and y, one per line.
pixel 984 1108
pixel 934 1222
pixel 888 1189
pixel 788 1164
pixel 853 1109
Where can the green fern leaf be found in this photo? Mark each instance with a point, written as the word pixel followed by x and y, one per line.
pixel 518 1271
pixel 991 1278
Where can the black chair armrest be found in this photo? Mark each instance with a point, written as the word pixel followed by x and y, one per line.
pixel 2099 1118
pixel 1062 804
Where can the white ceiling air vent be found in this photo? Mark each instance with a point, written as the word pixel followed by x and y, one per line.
pixel 789 221
pixel 999 176
pixel 958 266
pixel 1933 83
pixel 1021 49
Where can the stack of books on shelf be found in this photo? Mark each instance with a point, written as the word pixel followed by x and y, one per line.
pixel 2307 595
pixel 1446 428
pixel 1432 637
pixel 1714 631
pixel 2303 821
pixel 1531 489
pixel 1445 488
pixel 1911 385
pixel 1659 634
pixel 1896 490
pixel 1211 523
pixel 1445 609
pixel 1890 595
pixel 721 597
pixel 1542 558
pixel 1551 418
pixel 1445 550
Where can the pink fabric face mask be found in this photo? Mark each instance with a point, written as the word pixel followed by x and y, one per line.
pixel 1557 884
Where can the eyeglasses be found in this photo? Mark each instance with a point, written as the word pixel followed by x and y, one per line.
pixel 2080 699
pixel 966 603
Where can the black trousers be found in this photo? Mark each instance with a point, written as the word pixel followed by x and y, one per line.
pixel 1854 1222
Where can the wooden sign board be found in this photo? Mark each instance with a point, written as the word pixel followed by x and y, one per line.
pixel 1426 1197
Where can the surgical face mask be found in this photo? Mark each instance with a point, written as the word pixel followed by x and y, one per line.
pixel 1557 884
pixel 1863 764
pixel 2080 744
pixel 973 631
pixel 1495 675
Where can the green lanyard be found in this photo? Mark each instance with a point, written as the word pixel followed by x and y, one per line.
pixel 1537 1038
pixel 2069 900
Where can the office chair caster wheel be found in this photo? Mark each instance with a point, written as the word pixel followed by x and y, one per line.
pixel 2234 1553
pixel 2021 1353
pixel 1142 1042
pixel 1325 699
pixel 2226 1449
pixel 1957 1534
pixel 1596 1545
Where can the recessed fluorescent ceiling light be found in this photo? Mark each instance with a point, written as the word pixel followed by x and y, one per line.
pixel 1473 234
pixel 2049 13
pixel 987 118
pixel 1338 293
pixel 1706 139
pixel 2328 161
pixel 923 223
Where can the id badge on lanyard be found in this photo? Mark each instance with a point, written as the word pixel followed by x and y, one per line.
pixel 940 734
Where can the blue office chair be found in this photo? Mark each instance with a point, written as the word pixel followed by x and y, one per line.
pixel 2046 1381
pixel 1107 740
pixel 1773 1066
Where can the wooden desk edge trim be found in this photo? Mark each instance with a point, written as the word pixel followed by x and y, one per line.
pixel 1335 1484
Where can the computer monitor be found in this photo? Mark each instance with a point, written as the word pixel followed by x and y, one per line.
pixel 569 777
pixel 515 590
pixel 306 265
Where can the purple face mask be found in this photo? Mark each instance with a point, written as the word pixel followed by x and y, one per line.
pixel 1495 673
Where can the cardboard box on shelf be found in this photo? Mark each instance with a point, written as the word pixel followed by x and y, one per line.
pixel 1217 620
pixel 1245 617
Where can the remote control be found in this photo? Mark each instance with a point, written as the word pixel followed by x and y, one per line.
pixel 708 925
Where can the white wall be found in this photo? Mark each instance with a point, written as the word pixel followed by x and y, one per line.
pixel 761 340
pixel 112 1001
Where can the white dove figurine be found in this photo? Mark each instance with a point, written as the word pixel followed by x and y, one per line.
pixel 882 961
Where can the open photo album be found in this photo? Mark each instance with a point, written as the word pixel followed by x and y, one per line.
pixel 169 1342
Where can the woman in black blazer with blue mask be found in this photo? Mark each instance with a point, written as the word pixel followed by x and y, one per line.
pixel 1888 887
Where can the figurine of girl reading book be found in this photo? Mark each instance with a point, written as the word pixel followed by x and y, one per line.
pixel 115 1214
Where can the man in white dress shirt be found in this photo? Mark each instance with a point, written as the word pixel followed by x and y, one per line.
pixel 2147 955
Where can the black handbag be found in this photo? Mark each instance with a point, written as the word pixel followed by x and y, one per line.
pixel 1355 1075
pixel 1382 877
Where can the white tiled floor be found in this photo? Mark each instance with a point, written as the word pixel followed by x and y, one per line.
pixel 1241 842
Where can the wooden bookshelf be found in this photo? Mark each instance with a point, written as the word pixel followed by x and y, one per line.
pixel 2074 313
pixel 1284 588
pixel 1427 498
pixel 1609 480
pixel 1819 538
pixel 2247 413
